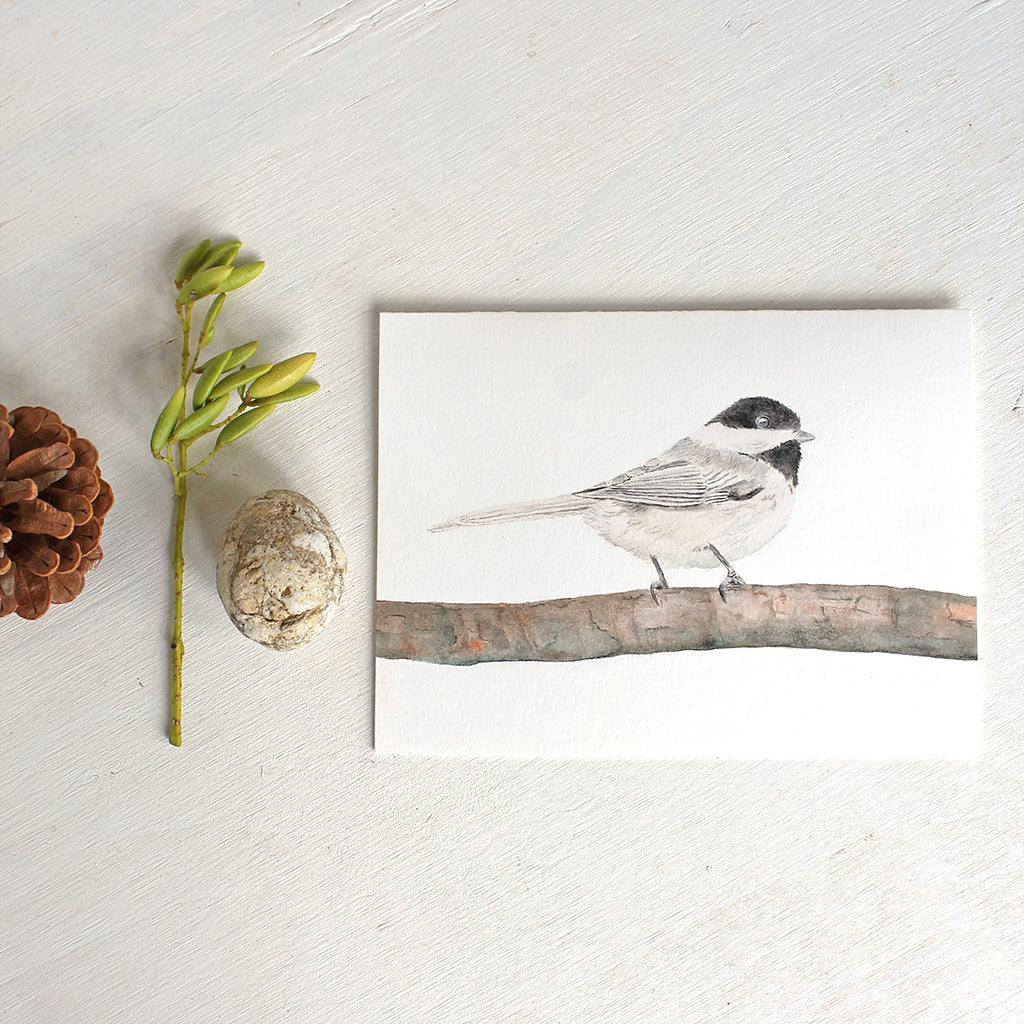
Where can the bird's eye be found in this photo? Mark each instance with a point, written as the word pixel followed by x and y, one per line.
pixel 761 422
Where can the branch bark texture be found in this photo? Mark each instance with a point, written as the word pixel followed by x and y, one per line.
pixel 825 617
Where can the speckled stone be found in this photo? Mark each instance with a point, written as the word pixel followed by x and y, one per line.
pixel 281 570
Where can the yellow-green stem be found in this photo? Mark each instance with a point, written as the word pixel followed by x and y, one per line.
pixel 185 319
pixel 177 642
pixel 181 497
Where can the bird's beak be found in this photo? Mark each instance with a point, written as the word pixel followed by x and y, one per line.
pixel 802 435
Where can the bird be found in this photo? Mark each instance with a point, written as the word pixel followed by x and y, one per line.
pixel 713 498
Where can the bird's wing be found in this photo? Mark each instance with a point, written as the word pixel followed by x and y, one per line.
pixel 688 475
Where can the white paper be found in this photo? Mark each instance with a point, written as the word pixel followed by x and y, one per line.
pixel 481 409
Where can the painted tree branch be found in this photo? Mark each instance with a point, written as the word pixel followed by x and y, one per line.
pixel 822 616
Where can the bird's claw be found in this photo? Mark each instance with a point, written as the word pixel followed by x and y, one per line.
pixel 730 584
pixel 660 583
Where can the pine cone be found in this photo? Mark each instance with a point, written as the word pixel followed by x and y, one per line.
pixel 52 504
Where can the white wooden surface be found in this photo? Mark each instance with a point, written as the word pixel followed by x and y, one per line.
pixel 442 154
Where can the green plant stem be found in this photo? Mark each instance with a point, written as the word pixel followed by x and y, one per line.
pixel 199 465
pixel 180 469
pixel 185 319
pixel 177 642
pixel 174 452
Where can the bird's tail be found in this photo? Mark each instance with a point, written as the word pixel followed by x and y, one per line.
pixel 565 505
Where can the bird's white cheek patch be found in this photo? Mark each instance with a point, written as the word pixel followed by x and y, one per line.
pixel 739 439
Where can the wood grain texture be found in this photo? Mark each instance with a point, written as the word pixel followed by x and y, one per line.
pixel 885 620
pixel 401 154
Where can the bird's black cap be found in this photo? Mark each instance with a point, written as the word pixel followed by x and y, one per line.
pixel 746 412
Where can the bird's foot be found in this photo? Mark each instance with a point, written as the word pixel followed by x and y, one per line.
pixel 660 583
pixel 732 580
pixel 730 584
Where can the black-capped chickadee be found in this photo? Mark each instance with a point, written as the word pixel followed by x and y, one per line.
pixel 712 498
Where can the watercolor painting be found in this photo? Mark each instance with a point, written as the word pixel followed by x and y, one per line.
pixel 472 403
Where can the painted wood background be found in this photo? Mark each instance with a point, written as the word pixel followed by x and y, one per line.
pixel 462 154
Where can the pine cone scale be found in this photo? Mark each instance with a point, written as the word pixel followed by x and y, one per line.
pixel 34 555
pixel 81 481
pixel 41 460
pixel 32 594
pixel 76 505
pixel 48 479
pixel 90 559
pixel 66 586
pixel 12 491
pixel 36 428
pixel 85 452
pixel 70 555
pixel 102 502
pixel 38 516
pixel 88 536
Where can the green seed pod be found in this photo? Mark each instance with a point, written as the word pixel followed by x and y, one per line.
pixel 197 423
pixel 238 378
pixel 190 262
pixel 210 376
pixel 240 354
pixel 206 334
pixel 241 276
pixel 205 339
pixel 203 283
pixel 220 255
pixel 300 390
pixel 243 424
pixel 282 376
pixel 166 420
